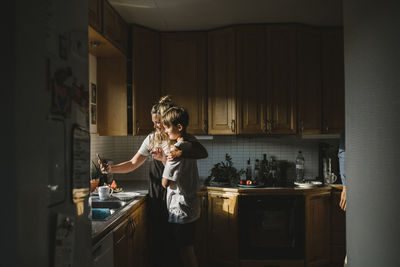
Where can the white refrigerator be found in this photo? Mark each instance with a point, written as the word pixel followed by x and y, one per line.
pixel 52 141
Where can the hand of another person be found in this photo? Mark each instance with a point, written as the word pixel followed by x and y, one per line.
pixel 173 154
pixel 343 202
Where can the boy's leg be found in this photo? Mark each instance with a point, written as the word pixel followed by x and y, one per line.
pixel 188 256
pixel 184 236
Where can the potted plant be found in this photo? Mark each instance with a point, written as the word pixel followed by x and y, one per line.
pixel 223 173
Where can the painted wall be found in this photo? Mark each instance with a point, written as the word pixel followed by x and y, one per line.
pixel 372 85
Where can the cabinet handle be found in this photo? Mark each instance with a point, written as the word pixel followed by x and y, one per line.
pixel 326 127
pixel 233 126
pixel 270 126
pixel 222 197
pixel 264 126
pixel 302 126
pixel 205 126
pixel 137 126
pixel 132 226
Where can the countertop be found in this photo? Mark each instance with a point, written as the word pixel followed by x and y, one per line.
pixel 102 227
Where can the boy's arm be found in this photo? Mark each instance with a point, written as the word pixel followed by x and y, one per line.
pixel 170 173
pixel 190 148
pixel 164 182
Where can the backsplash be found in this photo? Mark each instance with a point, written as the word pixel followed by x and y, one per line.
pixel 123 148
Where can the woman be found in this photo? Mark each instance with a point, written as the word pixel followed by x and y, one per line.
pixel 156 144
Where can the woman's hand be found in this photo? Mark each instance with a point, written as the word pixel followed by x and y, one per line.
pixel 158 154
pixel 343 201
pixel 104 169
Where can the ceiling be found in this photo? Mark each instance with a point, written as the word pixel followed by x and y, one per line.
pixel 181 15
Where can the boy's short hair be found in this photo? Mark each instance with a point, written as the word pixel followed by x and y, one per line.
pixel 175 116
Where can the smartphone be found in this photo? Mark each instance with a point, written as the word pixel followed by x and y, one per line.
pixel 102 161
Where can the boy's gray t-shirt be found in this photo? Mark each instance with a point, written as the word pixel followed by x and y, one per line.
pixel 183 203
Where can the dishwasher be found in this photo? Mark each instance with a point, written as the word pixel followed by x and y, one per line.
pixel 103 252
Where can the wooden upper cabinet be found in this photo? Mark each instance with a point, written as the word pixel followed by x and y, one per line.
pixel 333 81
pixel 111 96
pixel 309 82
pixel 251 86
pixel 146 77
pixel 281 79
pixel 95 14
pixel 114 28
pixel 221 82
pixel 184 75
pixel 223 229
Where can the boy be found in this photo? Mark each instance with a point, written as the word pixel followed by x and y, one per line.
pixel 181 179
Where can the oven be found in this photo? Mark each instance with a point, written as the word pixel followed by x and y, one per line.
pixel 271 227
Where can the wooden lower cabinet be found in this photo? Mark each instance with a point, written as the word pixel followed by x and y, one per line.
pixel 223 229
pixel 338 230
pixel 130 240
pixel 123 244
pixel 317 229
pixel 201 241
pixel 271 263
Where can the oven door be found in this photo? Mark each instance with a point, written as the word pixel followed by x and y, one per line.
pixel 271 227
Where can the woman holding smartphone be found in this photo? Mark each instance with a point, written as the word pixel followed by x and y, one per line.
pixel 156 144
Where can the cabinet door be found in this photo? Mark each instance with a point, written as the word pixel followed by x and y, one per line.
pixel 111 96
pixel 221 82
pixel 333 81
pixel 183 75
pixel 139 241
pixel 123 244
pixel 317 239
pixel 338 230
pixel 223 229
pixel 201 244
pixel 146 77
pixel 309 80
pixel 251 72
pixel 281 84
pixel 95 14
pixel 114 28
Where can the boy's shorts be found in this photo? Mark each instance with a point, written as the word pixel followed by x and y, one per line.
pixel 182 234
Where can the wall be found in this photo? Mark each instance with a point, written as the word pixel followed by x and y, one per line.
pixel 372 93
pixel 239 148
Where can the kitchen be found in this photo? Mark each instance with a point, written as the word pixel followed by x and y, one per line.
pixel 362 36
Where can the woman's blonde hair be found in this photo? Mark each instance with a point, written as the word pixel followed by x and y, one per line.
pixel 159 108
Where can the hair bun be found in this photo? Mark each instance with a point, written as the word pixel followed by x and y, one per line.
pixel 165 100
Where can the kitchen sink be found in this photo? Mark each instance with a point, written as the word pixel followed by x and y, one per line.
pixel 110 204
pixel 103 209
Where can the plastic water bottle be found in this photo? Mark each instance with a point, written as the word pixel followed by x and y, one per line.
pixel 300 167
